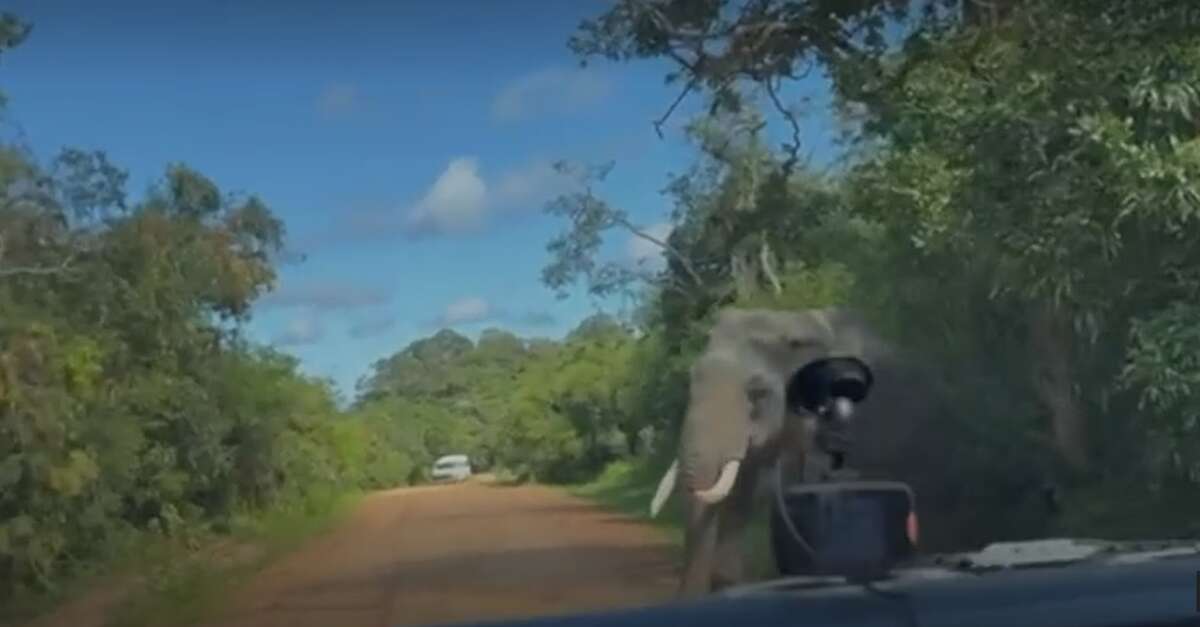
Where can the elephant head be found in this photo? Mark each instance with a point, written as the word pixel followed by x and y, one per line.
pixel 737 395
pixel 738 390
pixel 737 419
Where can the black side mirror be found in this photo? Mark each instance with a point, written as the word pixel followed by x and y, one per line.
pixel 831 388
pixel 815 386
pixel 859 530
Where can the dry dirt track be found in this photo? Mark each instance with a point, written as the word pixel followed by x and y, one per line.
pixel 465 552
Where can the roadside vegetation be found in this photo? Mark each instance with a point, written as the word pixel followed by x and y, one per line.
pixel 1016 203
pixel 170 585
pixel 138 425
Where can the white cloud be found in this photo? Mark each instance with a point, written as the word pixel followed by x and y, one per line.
pixel 299 332
pixel 465 311
pixel 456 202
pixel 642 251
pixel 337 99
pixel 461 200
pixel 552 90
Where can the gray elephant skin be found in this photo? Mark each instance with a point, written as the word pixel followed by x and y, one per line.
pixel 738 427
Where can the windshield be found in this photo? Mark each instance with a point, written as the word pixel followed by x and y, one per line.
pixel 420 298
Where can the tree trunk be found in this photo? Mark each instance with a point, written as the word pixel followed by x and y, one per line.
pixel 743 275
pixel 765 260
pixel 630 433
pixel 1053 380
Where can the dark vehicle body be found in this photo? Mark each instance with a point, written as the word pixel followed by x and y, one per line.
pixel 1146 589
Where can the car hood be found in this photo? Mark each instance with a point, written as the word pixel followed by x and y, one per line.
pixel 1000 556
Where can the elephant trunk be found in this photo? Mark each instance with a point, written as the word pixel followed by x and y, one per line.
pixel 716 430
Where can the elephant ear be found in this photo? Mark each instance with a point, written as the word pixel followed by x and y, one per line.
pixel 855 337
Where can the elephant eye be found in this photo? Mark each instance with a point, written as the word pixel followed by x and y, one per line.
pixel 757 389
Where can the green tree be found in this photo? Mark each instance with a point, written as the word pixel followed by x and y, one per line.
pixel 129 401
pixel 1020 187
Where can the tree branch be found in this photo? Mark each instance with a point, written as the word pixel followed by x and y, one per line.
pixel 793 149
pixel 694 37
pixel 658 124
pixel 662 281
pixel 761 43
pixel 683 261
pixel 37 270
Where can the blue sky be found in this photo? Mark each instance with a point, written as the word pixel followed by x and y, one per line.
pixel 406 145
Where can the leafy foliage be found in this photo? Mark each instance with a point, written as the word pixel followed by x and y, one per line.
pixel 129 404
pixel 1017 210
pixel 540 409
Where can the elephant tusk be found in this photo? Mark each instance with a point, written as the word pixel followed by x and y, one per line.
pixel 665 486
pixel 724 484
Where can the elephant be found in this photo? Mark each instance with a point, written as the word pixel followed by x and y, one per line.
pixel 739 424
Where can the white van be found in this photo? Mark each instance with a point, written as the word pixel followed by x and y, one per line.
pixel 452 468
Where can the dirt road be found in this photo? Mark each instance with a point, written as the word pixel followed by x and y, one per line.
pixel 464 552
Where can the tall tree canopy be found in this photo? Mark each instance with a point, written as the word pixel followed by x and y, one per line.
pixel 1017 206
